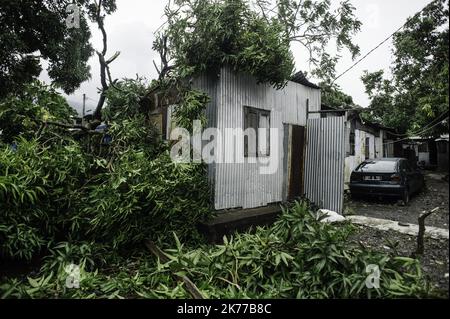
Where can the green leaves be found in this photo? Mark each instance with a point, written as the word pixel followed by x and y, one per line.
pixel 417 94
pixel 312 262
pixel 37 185
pixel 24 113
pixel 206 35
pixel 192 107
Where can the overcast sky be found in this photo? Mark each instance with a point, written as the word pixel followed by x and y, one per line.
pixel 130 31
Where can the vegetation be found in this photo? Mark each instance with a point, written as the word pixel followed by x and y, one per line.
pixel 202 36
pixel 35 30
pixel 298 257
pixel 58 185
pixel 76 194
pixel 417 94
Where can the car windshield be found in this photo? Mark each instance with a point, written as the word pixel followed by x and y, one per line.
pixel 377 166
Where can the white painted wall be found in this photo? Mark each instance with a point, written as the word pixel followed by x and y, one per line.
pixel 351 162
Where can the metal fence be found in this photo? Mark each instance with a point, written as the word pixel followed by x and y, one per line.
pixel 324 164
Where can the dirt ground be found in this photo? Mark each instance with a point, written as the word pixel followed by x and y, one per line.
pixel 435 194
pixel 435 261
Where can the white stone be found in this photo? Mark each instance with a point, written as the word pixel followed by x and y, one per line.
pixel 386 224
pixel 331 217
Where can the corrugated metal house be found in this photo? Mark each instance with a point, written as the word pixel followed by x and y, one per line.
pixel 310 150
pixel 241 184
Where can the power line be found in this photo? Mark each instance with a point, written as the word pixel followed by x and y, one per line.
pixel 419 133
pixel 380 44
pixel 445 114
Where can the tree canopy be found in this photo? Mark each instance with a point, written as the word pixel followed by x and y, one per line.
pixel 204 35
pixel 33 31
pixel 416 98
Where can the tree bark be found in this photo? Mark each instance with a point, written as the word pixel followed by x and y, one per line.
pixel 420 236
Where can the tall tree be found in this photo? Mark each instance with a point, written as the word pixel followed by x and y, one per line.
pixel 253 37
pixel 55 31
pixel 416 99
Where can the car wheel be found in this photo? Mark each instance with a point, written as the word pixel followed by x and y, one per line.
pixel 405 197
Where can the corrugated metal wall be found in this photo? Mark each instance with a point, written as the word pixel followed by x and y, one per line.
pixel 242 185
pixel 324 165
pixel 208 84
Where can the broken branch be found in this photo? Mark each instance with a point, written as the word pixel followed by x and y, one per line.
pixel 190 286
pixel 421 234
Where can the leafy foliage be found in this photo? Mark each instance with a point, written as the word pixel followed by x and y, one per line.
pixel 298 257
pixel 125 100
pixel 144 199
pixel 56 185
pixel 417 95
pixel 203 36
pixel 191 108
pixel 23 114
pixel 210 34
pixel 38 29
pixel 36 186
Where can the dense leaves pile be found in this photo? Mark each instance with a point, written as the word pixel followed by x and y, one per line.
pixel 36 185
pixel 205 35
pixel 61 185
pixel 298 257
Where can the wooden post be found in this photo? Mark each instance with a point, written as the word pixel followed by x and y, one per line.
pixel 421 234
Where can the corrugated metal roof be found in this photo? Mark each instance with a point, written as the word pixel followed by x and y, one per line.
pixel 300 78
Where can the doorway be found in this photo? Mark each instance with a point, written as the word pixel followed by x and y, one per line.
pixel 296 160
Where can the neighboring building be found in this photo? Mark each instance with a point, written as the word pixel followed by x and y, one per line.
pixel 421 151
pixel 442 153
pixel 363 139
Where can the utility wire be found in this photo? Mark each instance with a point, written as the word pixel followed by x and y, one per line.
pixel 380 44
pixel 419 133
pixel 445 114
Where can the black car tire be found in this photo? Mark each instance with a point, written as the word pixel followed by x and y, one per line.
pixel 405 196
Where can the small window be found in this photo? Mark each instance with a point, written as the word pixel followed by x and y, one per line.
pixel 367 148
pixel 352 144
pixel 256 119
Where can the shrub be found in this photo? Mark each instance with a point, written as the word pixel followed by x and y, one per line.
pixel 36 186
pixel 144 198
pixel 298 257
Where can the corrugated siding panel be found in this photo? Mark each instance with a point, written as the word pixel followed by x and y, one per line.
pixel 208 85
pixel 324 166
pixel 242 185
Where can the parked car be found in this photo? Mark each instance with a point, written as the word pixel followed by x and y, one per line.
pixel 386 177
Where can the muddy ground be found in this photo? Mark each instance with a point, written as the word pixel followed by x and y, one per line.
pixel 435 261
